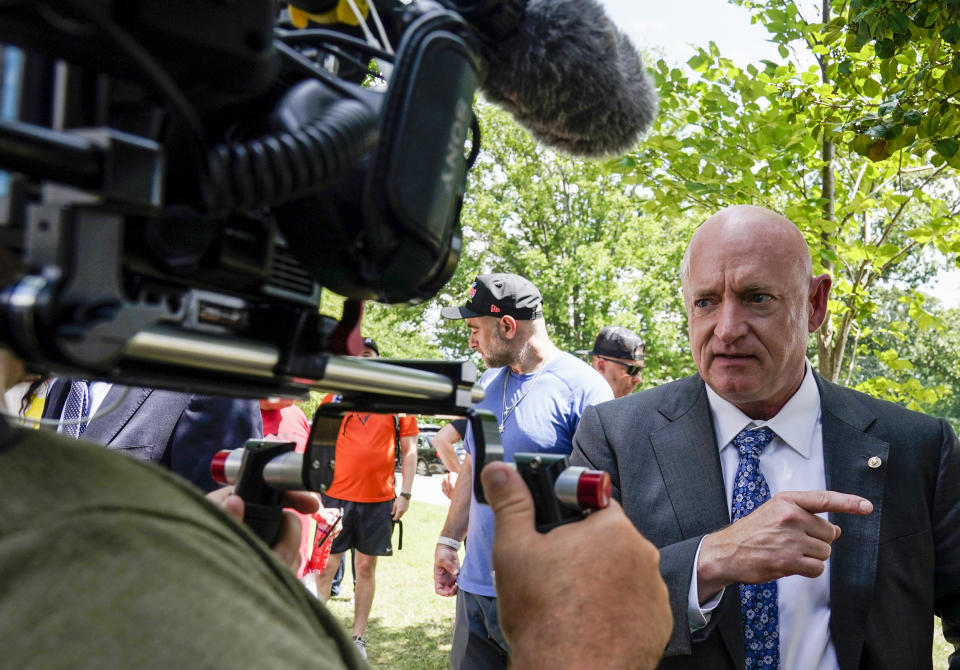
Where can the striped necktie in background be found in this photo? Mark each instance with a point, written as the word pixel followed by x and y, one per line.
pixel 76 409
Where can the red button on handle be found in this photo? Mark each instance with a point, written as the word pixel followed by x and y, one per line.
pixel 593 489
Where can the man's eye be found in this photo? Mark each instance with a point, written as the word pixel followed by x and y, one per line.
pixel 758 298
pixel 701 303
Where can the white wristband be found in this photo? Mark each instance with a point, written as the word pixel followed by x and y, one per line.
pixel 449 542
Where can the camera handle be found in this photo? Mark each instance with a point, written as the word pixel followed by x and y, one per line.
pixel 263 469
pixel 263 504
pixel 561 493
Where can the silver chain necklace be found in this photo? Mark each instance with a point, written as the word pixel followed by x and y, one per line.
pixel 505 412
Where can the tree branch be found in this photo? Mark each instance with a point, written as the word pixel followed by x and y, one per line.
pixel 893 261
pixel 903 206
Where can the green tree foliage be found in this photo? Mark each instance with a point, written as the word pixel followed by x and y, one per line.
pixel 792 136
pixel 917 367
pixel 896 68
pixel 936 365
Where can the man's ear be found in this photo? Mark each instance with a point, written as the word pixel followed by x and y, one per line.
pixel 507 326
pixel 819 294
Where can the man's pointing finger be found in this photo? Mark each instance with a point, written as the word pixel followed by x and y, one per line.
pixel 816 502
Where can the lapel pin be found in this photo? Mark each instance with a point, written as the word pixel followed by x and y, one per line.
pixel 874 462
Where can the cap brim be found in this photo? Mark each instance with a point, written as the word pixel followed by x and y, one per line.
pixel 457 312
pixel 621 357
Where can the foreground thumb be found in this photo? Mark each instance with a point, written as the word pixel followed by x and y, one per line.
pixel 508 497
pixel 234 506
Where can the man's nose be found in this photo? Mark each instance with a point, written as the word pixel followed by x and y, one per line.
pixel 731 322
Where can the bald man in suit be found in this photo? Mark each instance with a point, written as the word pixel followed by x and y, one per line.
pixel 801 525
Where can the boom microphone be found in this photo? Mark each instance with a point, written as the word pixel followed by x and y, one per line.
pixel 571 77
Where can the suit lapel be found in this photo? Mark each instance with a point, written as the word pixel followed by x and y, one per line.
pixel 56 397
pixel 689 458
pixel 853 566
pixel 105 426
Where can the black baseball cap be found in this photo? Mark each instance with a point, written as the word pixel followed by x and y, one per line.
pixel 370 343
pixel 617 342
pixel 500 294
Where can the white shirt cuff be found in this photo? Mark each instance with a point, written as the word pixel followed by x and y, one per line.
pixel 697 614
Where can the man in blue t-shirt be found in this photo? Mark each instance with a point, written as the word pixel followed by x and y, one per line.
pixel 537 393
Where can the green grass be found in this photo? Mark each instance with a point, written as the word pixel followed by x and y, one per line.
pixel 941 650
pixel 410 626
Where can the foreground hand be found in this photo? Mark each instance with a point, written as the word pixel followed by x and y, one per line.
pixel 228 501
pixel 781 537
pixel 287 546
pixel 446 567
pixel 586 594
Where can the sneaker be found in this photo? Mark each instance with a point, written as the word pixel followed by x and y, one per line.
pixel 361 645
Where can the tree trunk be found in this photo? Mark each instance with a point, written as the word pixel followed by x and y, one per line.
pixel 830 344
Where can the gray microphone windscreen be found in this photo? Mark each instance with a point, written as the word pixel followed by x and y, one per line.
pixel 573 79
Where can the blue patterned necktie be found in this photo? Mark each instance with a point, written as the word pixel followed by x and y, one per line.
pixel 76 408
pixel 758 602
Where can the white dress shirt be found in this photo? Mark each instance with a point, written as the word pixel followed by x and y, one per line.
pixel 793 461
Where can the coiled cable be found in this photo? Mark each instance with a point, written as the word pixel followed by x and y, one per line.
pixel 288 164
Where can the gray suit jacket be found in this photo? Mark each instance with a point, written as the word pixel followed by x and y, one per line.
pixel 180 431
pixel 890 571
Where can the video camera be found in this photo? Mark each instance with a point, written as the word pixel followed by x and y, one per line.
pixel 185 176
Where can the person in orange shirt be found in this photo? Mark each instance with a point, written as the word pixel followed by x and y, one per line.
pixel 364 487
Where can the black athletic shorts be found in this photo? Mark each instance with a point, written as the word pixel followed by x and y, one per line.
pixel 367 527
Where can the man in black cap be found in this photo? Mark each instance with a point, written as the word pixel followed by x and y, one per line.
pixel 537 393
pixel 617 354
